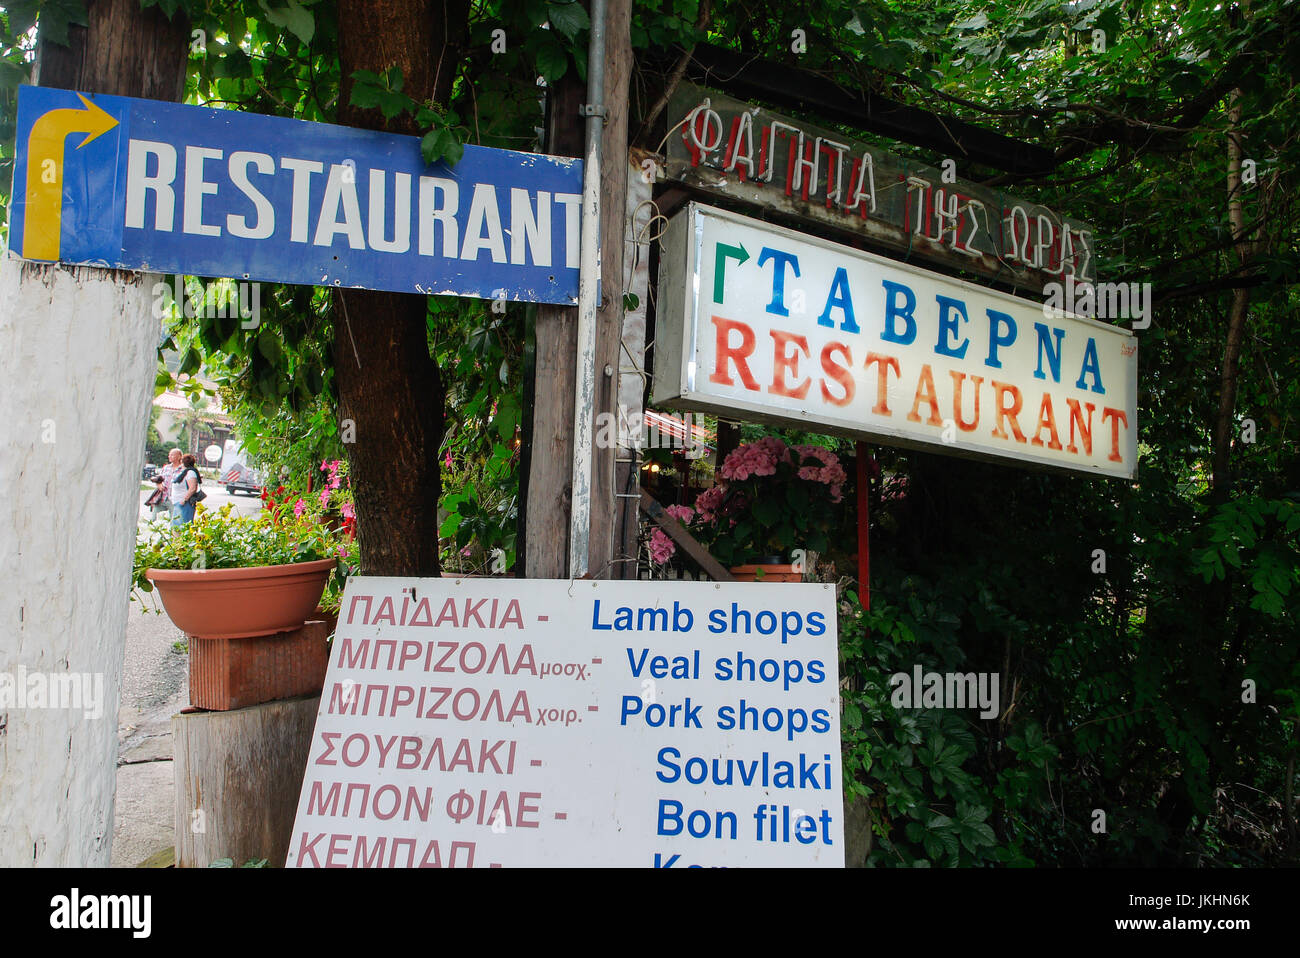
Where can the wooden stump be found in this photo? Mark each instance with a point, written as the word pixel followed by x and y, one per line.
pixel 238 775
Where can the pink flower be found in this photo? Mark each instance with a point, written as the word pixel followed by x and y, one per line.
pixel 661 547
pixel 324 498
pixel 830 472
pixel 683 514
pixel 348 510
pixel 299 507
pixel 755 459
pixel 343 552
pixel 709 501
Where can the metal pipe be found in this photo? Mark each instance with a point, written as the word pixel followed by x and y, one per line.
pixel 588 293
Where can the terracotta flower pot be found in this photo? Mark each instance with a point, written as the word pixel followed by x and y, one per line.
pixel 772 572
pixel 237 603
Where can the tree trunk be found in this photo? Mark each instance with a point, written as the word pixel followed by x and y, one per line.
pixel 1224 425
pixel 389 385
pixel 77 359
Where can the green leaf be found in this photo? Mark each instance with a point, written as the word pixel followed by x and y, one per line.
pixel 431 145
pixel 268 344
pixel 191 361
pixel 292 17
pixel 55 18
pixel 453 150
pixel 568 18
pixel 552 61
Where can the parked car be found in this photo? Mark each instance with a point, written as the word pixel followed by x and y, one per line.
pixel 243 480
pixel 150 470
pixel 236 473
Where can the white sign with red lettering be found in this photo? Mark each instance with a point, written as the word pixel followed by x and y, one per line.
pixel 532 722
pixel 791 329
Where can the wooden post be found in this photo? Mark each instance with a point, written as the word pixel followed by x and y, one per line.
pixel 728 439
pixel 238 775
pixel 546 489
pixel 606 515
pixel 547 459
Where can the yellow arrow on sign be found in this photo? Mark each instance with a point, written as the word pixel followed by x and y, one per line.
pixel 44 216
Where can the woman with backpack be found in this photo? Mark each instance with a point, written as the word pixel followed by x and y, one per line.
pixel 185 491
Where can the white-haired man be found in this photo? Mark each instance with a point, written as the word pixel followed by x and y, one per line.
pixel 168 473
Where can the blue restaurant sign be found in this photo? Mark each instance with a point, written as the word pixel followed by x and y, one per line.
pixel 167 188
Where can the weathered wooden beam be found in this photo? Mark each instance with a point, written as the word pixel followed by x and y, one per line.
pixel 547 460
pixel 606 517
pixel 690 545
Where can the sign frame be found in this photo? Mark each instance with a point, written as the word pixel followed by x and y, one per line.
pixel 159 187
pixel 678 319
pixel 904 187
pixel 597 738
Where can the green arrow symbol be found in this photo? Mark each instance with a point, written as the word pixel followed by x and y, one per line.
pixel 724 253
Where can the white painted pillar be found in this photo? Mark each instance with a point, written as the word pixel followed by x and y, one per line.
pixel 77 348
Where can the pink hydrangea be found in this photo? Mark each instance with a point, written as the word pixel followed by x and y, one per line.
pixel 829 473
pixel 661 547
pixel 755 459
pixel 683 514
pixel 709 501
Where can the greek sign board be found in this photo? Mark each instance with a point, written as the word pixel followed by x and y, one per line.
pixel 162 187
pixel 791 329
pixel 532 722
pixel 751 154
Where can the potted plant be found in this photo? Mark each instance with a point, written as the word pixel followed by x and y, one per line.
pixel 771 500
pixel 245 589
pixel 229 576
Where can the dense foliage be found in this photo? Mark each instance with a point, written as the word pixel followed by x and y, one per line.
pixel 1145 633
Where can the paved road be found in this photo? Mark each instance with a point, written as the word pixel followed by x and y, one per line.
pixel 155 686
pixel 245 504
